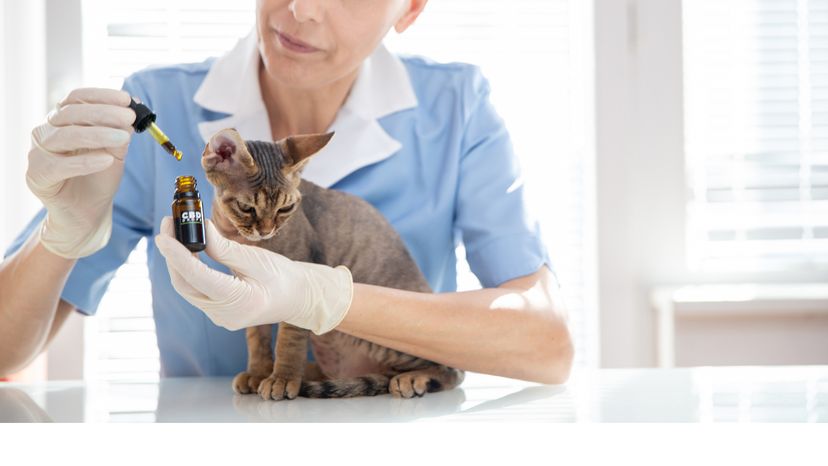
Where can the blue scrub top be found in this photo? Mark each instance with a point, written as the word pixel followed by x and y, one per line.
pixel 455 178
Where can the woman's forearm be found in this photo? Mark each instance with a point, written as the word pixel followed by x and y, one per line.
pixel 518 330
pixel 30 285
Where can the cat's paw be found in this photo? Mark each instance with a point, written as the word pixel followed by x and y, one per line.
pixel 409 384
pixel 246 382
pixel 277 387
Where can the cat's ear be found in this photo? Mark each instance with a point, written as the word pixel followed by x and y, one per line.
pixel 226 152
pixel 297 150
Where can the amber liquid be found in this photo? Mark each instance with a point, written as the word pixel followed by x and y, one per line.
pixel 188 215
pixel 169 147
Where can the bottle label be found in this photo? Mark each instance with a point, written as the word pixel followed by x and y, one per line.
pixel 190 216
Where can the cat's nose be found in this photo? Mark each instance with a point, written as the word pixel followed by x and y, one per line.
pixel 267 234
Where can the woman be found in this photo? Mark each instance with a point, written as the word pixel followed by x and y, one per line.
pixel 418 140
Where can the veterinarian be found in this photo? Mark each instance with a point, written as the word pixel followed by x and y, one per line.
pixel 418 140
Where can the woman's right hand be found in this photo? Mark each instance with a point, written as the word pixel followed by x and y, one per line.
pixel 76 163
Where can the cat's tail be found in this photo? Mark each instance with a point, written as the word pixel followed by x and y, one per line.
pixel 366 385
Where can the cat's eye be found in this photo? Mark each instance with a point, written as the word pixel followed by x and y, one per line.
pixel 246 208
pixel 287 209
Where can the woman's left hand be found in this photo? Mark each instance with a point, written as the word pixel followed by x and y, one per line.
pixel 267 287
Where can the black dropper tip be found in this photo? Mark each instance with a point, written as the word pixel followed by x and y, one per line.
pixel 143 116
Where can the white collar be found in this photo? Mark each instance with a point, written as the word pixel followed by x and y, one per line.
pixel 381 88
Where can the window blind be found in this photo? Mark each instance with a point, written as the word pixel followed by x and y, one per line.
pixel 531 51
pixel 756 122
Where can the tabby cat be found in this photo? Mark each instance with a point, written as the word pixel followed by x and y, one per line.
pixel 261 199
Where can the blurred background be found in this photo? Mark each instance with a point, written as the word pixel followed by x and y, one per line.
pixel 675 152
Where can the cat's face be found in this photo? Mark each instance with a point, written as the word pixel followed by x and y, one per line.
pixel 257 183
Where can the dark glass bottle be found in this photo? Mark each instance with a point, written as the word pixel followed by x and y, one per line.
pixel 188 214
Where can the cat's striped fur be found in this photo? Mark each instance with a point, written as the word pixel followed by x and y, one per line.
pixel 262 200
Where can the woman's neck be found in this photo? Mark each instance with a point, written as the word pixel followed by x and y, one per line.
pixel 302 111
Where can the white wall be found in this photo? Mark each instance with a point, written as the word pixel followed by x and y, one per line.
pixel 795 337
pixel 639 173
pixel 22 106
pixel 3 28
pixel 64 48
pixel 640 176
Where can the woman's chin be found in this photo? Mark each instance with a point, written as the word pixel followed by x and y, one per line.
pixel 297 74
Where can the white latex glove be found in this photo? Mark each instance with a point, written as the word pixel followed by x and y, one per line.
pixel 267 287
pixel 76 162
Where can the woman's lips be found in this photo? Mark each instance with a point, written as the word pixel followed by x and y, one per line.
pixel 295 45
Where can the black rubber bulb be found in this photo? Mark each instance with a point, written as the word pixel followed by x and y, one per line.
pixel 143 116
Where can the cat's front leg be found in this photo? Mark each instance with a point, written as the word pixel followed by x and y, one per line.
pixel 289 366
pixel 259 360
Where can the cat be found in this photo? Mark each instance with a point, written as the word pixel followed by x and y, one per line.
pixel 261 199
